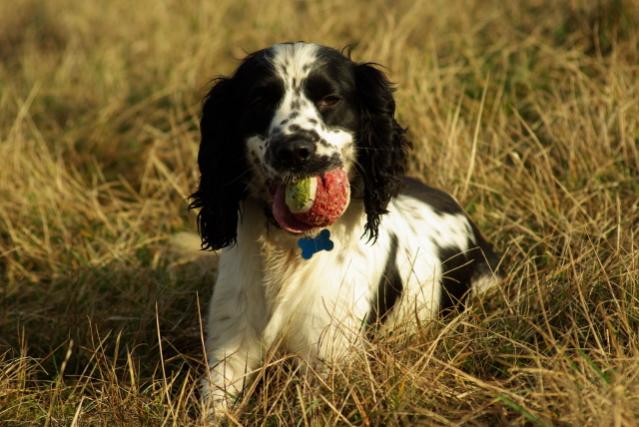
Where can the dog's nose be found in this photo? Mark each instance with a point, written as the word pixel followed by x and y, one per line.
pixel 293 153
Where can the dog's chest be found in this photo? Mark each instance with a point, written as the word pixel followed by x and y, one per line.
pixel 304 297
pixel 289 278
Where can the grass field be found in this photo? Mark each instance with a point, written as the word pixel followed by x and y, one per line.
pixel 527 111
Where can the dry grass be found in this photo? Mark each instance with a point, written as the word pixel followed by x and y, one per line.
pixel 98 135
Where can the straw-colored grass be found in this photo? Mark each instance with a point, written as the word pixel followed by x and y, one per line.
pixel 527 111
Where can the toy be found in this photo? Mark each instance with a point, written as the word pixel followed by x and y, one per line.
pixel 300 196
pixel 311 202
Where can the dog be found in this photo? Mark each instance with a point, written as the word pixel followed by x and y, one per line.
pixel 400 251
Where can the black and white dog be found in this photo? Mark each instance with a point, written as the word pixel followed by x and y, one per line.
pixel 401 251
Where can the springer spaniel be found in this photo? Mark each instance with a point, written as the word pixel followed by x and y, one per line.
pixel 401 251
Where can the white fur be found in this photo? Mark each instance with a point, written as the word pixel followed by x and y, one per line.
pixel 266 292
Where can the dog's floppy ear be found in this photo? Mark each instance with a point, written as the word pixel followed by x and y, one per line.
pixel 223 169
pixel 381 143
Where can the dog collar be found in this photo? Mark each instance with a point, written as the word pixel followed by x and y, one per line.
pixel 312 245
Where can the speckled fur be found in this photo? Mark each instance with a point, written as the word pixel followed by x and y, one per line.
pixel 402 250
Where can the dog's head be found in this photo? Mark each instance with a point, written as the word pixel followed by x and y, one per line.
pixel 290 111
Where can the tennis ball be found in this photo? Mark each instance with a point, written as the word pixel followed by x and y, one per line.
pixel 331 197
pixel 312 202
pixel 299 196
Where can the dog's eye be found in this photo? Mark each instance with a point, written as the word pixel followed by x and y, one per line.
pixel 258 98
pixel 327 102
pixel 262 96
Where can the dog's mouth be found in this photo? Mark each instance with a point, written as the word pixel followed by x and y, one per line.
pixel 302 204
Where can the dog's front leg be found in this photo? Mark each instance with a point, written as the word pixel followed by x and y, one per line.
pixel 234 344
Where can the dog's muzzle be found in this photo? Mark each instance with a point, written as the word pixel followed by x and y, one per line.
pixel 297 154
pixel 291 153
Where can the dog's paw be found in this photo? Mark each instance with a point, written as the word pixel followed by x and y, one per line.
pixel 215 403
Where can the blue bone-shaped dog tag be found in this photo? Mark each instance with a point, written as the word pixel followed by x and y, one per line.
pixel 312 245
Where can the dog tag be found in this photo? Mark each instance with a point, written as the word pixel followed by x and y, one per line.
pixel 312 245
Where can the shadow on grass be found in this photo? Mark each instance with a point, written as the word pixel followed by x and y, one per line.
pixel 112 314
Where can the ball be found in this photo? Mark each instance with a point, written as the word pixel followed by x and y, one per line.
pixel 320 201
pixel 300 196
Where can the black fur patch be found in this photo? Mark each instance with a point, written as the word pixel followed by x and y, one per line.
pixel 457 272
pixel 460 269
pixel 389 289
pixel 440 201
